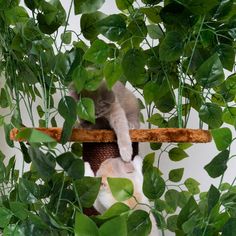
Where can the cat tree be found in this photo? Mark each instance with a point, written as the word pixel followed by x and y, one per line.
pixel 99 145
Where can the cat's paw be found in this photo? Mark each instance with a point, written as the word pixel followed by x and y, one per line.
pixel 126 152
pixel 133 125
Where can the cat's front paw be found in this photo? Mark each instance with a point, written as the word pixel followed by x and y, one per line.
pixel 126 152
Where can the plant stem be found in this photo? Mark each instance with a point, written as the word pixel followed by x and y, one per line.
pixel 60 194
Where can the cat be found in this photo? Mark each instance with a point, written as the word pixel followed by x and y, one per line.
pixel 115 109
pixel 114 167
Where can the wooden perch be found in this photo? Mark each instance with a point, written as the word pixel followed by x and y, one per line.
pixel 160 135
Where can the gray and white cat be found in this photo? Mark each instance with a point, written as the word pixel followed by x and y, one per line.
pixel 115 109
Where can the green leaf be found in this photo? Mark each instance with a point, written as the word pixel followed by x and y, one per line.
pixel 230 84
pixel 172 223
pixel 5 216
pixel 199 7
pixel 153 184
pixel 211 114
pixel 229 115
pixel 176 175
pixel 139 224
pixel 213 198
pixel 155 32
pixel 51 17
pixel 160 220
pixel 218 165
pixel 222 138
pixel 98 52
pixel 84 226
pixel 121 188
pixel 34 136
pixel 4 103
pixel 157 120
pixel 115 210
pixel 86 109
pixel 152 13
pixel 87 6
pixel 88 24
pixel 16 15
pixel 28 191
pixel 124 4
pixel 189 208
pixel 148 162
pixel 192 186
pixel 19 209
pixel 229 228
pixel 112 71
pixel 226 55
pixel 112 27
pixel 73 166
pixel 177 154
pixel 66 37
pixel 87 189
pixel 185 145
pixel 44 164
pixel 210 73
pixel 79 77
pixel 171 198
pixel 13 230
pixel 171 47
pixel 66 131
pixel 133 64
pixel 67 109
pixel 7 130
pixel 151 2
pixel 116 226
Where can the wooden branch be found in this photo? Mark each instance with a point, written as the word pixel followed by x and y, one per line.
pixel 141 135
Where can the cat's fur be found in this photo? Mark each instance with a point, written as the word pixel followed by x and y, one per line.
pixel 115 109
pixel 114 167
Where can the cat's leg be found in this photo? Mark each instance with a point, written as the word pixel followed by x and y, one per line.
pixel 118 122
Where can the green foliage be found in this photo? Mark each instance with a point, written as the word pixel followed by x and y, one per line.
pixel 153 183
pixel 121 188
pixel 139 223
pixel 174 53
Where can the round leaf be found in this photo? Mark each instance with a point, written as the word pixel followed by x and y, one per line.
pixel 139 223
pixel 176 174
pixel 86 109
pixel 177 154
pixel 121 188
pixel 113 27
pixel 98 52
pixel 87 189
pixel 210 73
pixel 222 138
pixel 84 226
pixel 171 47
pixel 116 226
pixel 124 4
pixel 133 66
pixel 153 184
pixel 112 72
pixel 192 186
pixel 87 6
pixel 218 165
pixel 211 114
pixel 73 166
